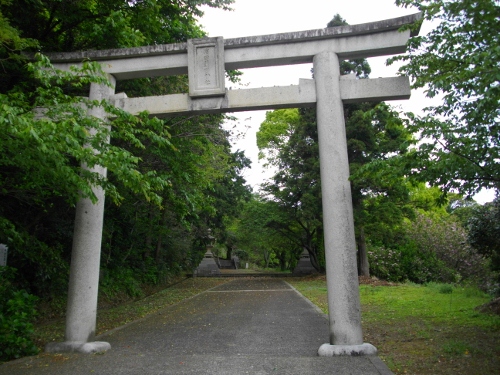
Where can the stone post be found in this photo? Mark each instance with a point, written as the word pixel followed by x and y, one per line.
pixel 85 259
pixel 346 337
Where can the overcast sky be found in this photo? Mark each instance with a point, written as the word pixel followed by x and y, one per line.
pixel 260 17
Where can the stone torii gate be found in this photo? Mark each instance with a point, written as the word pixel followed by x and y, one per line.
pixel 205 60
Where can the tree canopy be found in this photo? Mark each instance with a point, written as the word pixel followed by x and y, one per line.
pixel 167 181
pixel 457 63
pixel 288 139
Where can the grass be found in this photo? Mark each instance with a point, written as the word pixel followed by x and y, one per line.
pixel 432 329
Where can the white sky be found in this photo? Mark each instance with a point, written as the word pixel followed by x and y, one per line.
pixel 260 17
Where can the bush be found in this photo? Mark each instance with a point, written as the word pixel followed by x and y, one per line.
pixel 433 249
pixel 446 240
pixel 484 232
pixel 116 282
pixel 17 311
pixel 406 263
pixel 386 263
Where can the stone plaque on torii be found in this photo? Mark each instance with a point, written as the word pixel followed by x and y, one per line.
pixel 205 60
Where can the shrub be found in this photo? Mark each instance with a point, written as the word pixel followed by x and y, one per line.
pixel 116 282
pixel 484 232
pixel 405 263
pixel 445 240
pixel 17 311
pixel 385 263
pixel 433 249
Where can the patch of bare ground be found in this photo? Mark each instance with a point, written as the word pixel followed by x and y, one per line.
pixel 419 349
pixel 363 280
pixel 492 307
pixel 366 280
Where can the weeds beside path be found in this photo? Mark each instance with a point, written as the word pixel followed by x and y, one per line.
pixel 113 317
pixel 417 329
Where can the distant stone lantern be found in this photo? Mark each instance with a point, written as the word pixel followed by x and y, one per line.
pixel 210 244
pixel 208 267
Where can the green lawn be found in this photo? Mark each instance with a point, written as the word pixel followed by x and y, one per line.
pixel 417 329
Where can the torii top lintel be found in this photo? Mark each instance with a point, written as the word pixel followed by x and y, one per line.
pixel 349 42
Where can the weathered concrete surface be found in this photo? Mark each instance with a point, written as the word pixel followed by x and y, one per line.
pixel 206 67
pixel 207 266
pixel 349 42
pixel 246 326
pixel 294 96
pixel 338 221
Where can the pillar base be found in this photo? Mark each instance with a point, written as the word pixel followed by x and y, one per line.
pixel 327 350
pixel 77 347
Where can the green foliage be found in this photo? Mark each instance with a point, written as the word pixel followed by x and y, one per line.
pixel 17 311
pixel 484 232
pixel 433 248
pixel 44 268
pixel 289 137
pixel 167 180
pixel 447 239
pixel 405 263
pixel 457 62
pixel 100 24
pixel 274 133
pixel 58 142
pixel 258 239
pixel 288 140
pixel 386 263
pixel 446 289
pixel 122 280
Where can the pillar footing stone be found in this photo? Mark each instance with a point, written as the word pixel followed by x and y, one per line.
pixel 77 347
pixel 328 350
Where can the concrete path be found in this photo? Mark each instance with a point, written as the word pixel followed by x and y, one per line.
pixel 246 326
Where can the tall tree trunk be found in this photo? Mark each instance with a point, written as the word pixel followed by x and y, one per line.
pixel 267 256
pixel 158 248
pixel 282 259
pixel 314 258
pixel 149 236
pixel 160 236
pixel 364 266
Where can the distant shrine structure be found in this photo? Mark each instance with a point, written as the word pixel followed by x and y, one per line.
pixel 205 61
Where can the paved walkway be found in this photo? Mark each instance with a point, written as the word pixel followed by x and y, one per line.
pixel 246 326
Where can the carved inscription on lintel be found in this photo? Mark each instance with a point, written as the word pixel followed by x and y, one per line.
pixel 206 67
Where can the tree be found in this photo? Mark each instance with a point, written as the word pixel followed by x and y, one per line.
pixel 457 62
pixel 432 245
pixel 255 233
pixel 40 173
pixel 289 140
pixel 484 232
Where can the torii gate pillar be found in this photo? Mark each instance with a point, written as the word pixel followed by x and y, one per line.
pixel 86 257
pixel 340 245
